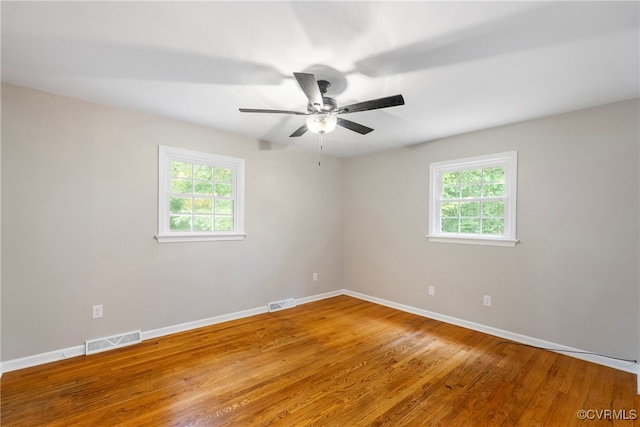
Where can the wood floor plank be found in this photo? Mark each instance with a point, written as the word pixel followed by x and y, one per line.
pixel 337 362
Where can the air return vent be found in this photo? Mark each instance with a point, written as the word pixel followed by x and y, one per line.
pixel 109 343
pixel 281 305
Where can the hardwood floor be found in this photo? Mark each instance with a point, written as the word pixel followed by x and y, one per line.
pixel 337 362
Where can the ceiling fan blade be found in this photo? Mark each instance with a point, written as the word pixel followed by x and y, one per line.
pixel 309 86
pixel 300 131
pixel 356 127
pixel 114 60
pixel 374 104
pixel 514 32
pixel 259 110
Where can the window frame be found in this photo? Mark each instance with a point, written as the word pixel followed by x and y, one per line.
pixel 168 154
pixel 509 160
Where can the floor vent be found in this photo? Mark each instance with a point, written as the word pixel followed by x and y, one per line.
pixel 281 305
pixel 109 343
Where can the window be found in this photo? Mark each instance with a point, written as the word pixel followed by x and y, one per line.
pixel 473 200
pixel 200 196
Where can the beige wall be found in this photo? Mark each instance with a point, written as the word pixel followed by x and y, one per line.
pixel 79 198
pixel 0 235
pixel 572 280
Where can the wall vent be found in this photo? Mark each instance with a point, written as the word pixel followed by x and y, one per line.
pixel 109 343
pixel 281 305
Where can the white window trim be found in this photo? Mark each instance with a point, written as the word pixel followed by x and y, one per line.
pixel 507 159
pixel 168 154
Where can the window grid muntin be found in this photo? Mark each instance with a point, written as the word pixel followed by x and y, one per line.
pixel 508 162
pixel 193 215
pixel 236 168
pixel 460 184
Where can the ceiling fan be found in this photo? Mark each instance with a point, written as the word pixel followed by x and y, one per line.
pixel 322 110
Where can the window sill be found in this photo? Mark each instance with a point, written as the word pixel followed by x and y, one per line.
pixel 473 241
pixel 191 237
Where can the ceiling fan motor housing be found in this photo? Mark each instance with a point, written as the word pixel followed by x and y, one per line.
pixel 330 104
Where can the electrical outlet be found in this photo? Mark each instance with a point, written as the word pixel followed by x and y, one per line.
pixel 487 300
pixel 432 290
pixel 315 277
pixel 97 311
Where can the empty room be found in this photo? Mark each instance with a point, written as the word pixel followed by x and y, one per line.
pixel 306 213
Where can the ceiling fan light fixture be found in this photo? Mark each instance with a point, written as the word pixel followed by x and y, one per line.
pixel 321 123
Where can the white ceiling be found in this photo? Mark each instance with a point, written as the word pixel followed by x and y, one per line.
pixel 461 66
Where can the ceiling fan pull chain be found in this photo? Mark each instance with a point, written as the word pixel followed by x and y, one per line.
pixel 319 147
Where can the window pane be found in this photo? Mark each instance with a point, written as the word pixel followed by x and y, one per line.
pixel 224 207
pixel 224 223
pixel 451 192
pixel 223 175
pixel 495 174
pixel 493 209
pixel 180 222
pixel 180 205
pixel 473 199
pixel 471 176
pixel 181 186
pixel 471 191
pixel 203 172
pixel 194 189
pixel 450 225
pixel 181 170
pixel 470 209
pixel 200 187
pixel 469 225
pixel 203 206
pixel 223 190
pixel 493 190
pixel 493 226
pixel 202 223
pixel 451 178
pixel 449 209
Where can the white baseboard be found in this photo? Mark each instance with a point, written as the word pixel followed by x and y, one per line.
pixel 52 356
pixel 155 333
pixel 160 332
pixel 65 353
pixel 318 297
pixel 42 358
pixel 631 367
